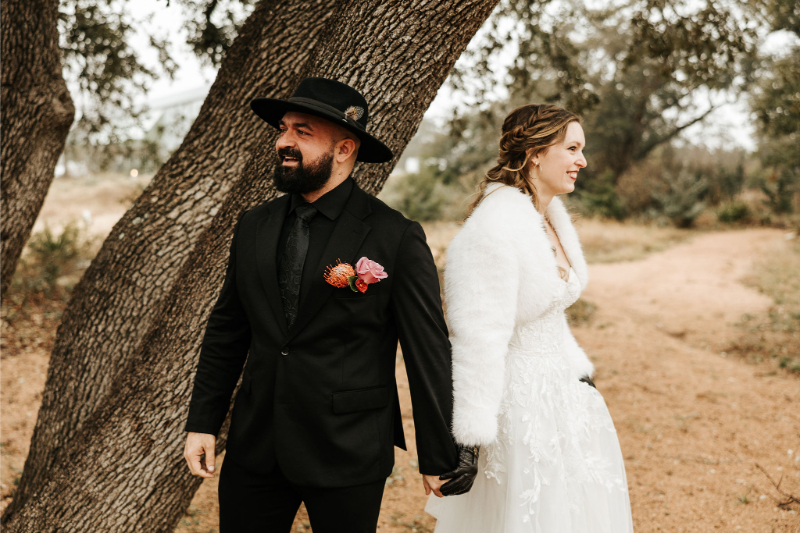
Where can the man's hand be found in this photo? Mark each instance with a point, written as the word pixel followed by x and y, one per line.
pixel 462 478
pixel 199 445
pixel 432 484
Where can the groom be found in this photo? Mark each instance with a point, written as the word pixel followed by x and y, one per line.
pixel 320 285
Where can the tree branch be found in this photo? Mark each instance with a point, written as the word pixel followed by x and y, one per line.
pixel 790 499
pixel 649 146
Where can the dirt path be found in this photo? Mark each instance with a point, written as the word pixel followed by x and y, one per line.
pixel 692 423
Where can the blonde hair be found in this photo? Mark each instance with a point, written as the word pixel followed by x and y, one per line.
pixel 527 131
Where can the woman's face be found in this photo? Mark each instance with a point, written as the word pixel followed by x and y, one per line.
pixel 556 169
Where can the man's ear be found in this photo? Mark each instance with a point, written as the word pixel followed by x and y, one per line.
pixel 344 149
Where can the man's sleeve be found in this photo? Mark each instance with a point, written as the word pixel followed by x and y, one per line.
pixel 422 331
pixel 222 355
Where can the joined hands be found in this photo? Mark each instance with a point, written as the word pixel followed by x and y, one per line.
pixel 462 478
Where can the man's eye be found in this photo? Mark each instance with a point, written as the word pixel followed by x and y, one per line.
pixel 301 132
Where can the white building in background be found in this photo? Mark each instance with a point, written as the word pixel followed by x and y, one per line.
pixel 169 118
pixel 160 131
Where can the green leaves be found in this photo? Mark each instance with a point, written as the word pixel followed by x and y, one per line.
pixel 213 25
pixel 632 69
pixel 351 281
pixel 94 39
pixel 111 75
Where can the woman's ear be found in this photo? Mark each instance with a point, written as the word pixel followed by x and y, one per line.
pixel 533 160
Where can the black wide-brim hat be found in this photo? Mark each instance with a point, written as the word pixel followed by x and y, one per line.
pixel 333 101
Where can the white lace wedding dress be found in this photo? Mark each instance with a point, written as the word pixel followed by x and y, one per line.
pixel 556 465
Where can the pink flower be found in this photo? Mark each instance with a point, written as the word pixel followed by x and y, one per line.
pixel 369 271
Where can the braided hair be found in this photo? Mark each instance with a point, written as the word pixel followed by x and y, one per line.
pixel 527 131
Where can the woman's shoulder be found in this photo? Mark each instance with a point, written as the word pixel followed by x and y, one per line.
pixel 504 206
pixel 504 219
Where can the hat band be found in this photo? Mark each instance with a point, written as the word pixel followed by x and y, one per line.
pixel 322 106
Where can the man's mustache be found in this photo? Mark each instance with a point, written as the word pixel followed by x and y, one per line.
pixel 290 152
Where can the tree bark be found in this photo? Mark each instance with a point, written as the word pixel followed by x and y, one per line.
pixel 37 115
pixel 123 469
pixel 113 305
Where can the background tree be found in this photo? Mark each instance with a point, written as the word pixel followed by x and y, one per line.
pixel 37 114
pixel 776 104
pixel 89 42
pixel 112 306
pixel 633 69
pixel 640 73
pixel 129 408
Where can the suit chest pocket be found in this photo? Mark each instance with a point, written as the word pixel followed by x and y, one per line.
pixel 359 310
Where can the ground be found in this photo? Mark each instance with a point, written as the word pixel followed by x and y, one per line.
pixel 703 424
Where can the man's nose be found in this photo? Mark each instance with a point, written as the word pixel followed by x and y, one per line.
pixel 285 140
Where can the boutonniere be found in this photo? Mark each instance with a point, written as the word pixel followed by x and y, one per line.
pixel 358 279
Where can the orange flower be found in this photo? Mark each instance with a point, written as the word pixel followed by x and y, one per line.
pixel 337 274
pixel 361 285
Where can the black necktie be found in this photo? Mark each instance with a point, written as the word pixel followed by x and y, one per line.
pixel 294 256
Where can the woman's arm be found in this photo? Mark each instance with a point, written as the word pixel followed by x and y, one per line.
pixel 481 282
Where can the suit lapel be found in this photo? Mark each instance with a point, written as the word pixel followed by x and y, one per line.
pixel 346 239
pixel 267 234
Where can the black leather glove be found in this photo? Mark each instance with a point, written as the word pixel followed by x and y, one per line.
pixel 462 478
pixel 588 381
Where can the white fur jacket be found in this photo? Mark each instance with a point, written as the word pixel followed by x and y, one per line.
pixel 501 271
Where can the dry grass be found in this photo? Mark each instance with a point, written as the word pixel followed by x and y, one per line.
pixel 99 199
pixel 603 241
pixel 439 235
pixel 606 241
pixel 650 379
pixel 774 337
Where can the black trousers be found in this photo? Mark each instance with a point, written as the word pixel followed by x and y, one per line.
pixel 250 503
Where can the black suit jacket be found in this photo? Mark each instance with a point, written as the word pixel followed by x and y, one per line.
pixel 320 399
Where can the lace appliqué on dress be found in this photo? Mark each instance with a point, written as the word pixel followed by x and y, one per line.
pixel 547 420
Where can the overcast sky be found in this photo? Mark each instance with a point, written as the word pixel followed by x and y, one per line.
pixel 729 125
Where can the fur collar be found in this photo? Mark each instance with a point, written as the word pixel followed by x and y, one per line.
pixel 510 197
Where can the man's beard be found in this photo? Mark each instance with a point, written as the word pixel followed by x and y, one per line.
pixel 302 179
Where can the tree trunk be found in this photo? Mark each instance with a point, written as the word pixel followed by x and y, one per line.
pixel 123 469
pixel 37 115
pixel 114 303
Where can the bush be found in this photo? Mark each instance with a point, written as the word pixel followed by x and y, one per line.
pixel 50 256
pixel 635 186
pixel 419 196
pixel 780 188
pixel 733 212
pixel 599 197
pixel 724 183
pixel 682 200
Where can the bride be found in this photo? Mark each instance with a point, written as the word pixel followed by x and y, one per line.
pixel 549 459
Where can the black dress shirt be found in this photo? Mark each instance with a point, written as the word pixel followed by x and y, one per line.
pixel 330 205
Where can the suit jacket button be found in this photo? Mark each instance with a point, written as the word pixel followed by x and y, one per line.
pixel 285 351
